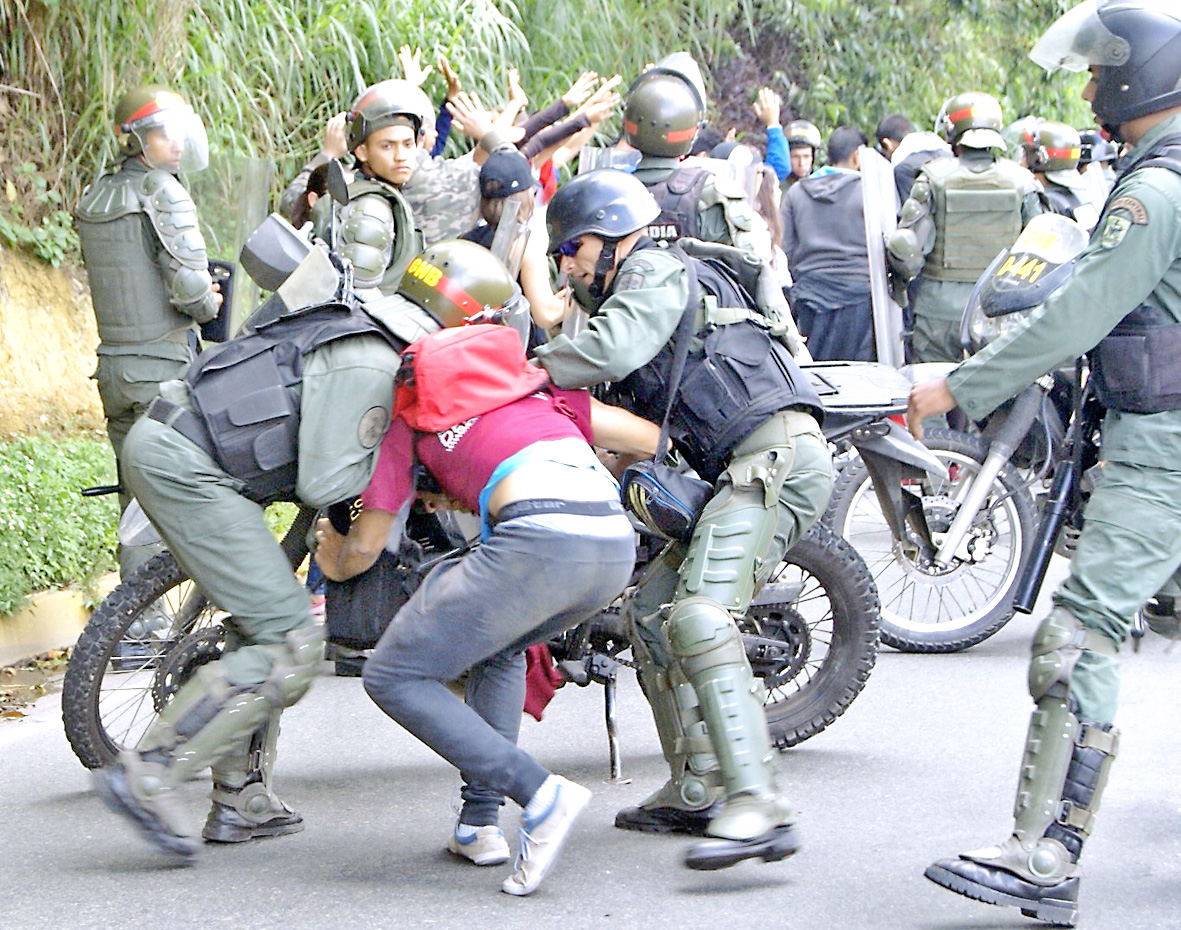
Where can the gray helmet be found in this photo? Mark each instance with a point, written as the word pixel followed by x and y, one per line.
pixel 1135 43
pixel 662 114
pixel 802 134
pixel 153 106
pixel 607 202
pixel 972 120
pixel 1051 146
pixel 388 103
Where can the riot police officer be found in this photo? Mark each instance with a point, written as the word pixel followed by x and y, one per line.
pixel 1122 305
pixel 961 212
pixel 663 111
pixel 146 261
pixel 295 410
pixel 378 233
pixel 1052 152
pixel 772 470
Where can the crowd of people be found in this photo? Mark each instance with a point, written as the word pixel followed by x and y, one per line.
pixel 620 302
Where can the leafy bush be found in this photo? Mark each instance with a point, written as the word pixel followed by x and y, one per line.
pixel 51 536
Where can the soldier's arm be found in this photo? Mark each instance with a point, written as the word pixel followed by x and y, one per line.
pixel 348 392
pixel 1131 251
pixel 183 260
pixel 633 324
pixel 908 246
pixel 367 238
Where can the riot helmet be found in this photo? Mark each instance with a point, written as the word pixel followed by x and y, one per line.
pixel 1051 146
pixel 388 103
pixel 972 120
pixel 1095 147
pixel 1136 45
pixel 1014 136
pixel 662 114
pixel 607 203
pixel 455 279
pixel 154 107
pixel 800 133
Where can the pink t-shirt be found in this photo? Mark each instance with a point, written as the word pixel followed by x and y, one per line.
pixel 463 458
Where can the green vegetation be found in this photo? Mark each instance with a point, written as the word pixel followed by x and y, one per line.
pixel 51 536
pixel 267 74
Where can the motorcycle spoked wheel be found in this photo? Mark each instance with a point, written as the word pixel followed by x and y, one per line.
pixel 926 608
pixel 115 683
pixel 814 652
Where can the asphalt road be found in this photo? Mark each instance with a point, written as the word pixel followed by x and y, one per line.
pixel 923 765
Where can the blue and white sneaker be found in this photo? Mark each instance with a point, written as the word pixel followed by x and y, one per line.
pixel 487 846
pixel 542 835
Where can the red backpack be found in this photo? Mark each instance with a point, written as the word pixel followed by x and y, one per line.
pixel 455 374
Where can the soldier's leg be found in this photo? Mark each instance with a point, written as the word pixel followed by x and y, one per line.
pixel 1131 522
pixel 686 802
pixel 223 543
pixel 775 488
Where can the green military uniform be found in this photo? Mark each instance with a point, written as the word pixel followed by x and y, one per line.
pixel 1134 257
pixel 724 214
pixel 961 212
pixel 378 234
pixel 707 705
pixel 149 282
pixel 226 717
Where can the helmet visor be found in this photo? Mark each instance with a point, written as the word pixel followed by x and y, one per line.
pixel 184 132
pixel 1077 40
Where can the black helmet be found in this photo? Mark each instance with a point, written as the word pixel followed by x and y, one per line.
pixel 1094 146
pixel 388 103
pixel 1051 146
pixel 607 202
pixel 1135 43
pixel 662 114
pixel 454 279
pixel 802 134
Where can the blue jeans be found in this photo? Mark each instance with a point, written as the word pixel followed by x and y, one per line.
pixel 534 578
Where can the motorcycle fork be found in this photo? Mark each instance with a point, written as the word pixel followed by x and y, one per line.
pixel 902 508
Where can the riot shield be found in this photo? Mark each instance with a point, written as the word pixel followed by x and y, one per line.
pixel 880 200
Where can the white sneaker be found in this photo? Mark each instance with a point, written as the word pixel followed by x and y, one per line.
pixel 542 838
pixel 487 847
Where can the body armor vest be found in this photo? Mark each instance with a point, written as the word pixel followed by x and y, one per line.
pixel 977 214
pixel 679 197
pixel 120 247
pixel 737 374
pixel 247 393
pixel 1061 200
pixel 407 241
pixel 1135 367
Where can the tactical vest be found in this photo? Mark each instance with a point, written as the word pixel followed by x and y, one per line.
pixel 247 394
pixel 407 240
pixel 679 198
pixel 120 230
pixel 1061 200
pixel 1136 367
pixel 737 373
pixel 977 214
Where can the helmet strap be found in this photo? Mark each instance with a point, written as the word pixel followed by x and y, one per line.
pixel 606 263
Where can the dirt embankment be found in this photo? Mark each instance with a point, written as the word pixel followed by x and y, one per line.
pixel 47 343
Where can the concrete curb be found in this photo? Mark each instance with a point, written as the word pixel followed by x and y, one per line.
pixel 52 620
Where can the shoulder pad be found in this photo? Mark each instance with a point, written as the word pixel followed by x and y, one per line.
pixel 405 319
pixel 174 217
pixel 111 197
pixel 722 188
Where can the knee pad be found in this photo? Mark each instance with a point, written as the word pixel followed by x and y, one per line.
pixel 703 636
pixel 1057 645
pixel 296 664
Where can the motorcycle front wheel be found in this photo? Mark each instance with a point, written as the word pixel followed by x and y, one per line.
pixel 928 607
pixel 811 636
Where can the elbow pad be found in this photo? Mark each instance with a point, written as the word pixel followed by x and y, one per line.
pixel 368 238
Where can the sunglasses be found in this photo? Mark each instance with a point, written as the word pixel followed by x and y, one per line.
pixel 570 248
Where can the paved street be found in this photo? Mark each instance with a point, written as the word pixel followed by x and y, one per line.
pixel 923 765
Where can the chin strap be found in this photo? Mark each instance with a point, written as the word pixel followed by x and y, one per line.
pixel 606 263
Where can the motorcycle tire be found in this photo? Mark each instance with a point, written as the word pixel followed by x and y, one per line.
pixel 815 649
pixel 927 608
pixel 142 643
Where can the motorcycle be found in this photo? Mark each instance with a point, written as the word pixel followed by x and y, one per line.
pixel 953 582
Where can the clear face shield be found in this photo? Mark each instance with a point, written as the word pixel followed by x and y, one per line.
pixel 1078 39
pixel 174 140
